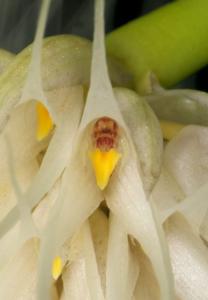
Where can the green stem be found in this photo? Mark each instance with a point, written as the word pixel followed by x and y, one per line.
pixel 171 41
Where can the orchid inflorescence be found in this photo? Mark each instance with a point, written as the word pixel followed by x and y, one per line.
pixel 93 204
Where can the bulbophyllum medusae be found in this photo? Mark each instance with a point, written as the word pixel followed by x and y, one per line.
pixel 93 206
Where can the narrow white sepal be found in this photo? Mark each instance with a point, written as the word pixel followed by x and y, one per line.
pixel 100 96
pixel 33 88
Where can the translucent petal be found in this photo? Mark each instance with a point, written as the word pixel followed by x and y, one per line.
pixel 145 133
pixel 57 155
pixel 193 207
pixel 184 106
pixel 125 197
pixel 186 158
pixel 122 269
pixel 189 260
pixel 166 193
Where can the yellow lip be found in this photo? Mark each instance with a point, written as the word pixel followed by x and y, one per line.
pixel 44 121
pixel 103 164
pixel 57 267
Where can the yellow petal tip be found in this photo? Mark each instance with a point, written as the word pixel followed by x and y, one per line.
pixel 57 267
pixel 104 162
pixel 44 122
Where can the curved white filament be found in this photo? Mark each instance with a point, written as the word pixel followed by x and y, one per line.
pixel 33 88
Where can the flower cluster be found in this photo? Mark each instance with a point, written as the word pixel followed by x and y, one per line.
pixel 93 203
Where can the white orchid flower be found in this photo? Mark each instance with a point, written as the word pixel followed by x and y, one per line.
pixel 106 149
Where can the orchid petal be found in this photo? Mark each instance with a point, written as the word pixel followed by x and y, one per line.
pixel 188 258
pixel 126 198
pixel 122 269
pixel 186 158
pixel 166 194
pixel 187 152
pixel 194 208
pixel 57 154
pixel 145 133
pixel 184 106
